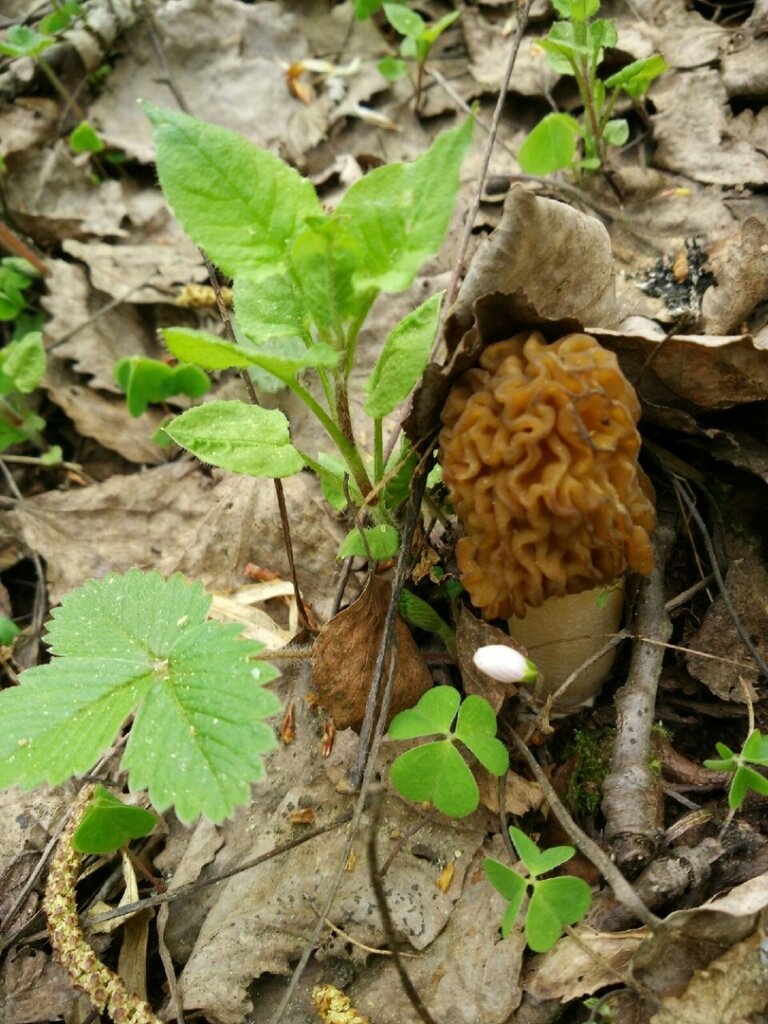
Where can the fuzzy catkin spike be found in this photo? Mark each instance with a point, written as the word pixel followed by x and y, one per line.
pixel 106 990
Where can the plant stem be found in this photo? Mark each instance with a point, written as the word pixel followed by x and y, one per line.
pixel 378 450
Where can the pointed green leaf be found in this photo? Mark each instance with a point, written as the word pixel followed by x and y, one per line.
pixel 553 858
pixel 203 349
pixel 403 358
pixel 551 145
pixel 421 614
pixel 138 642
pixel 433 714
pixel 398 215
pixel 437 772
pixel 383 542
pixel 636 77
pixel 242 204
pixel 509 883
pixel 527 850
pixel 108 823
pixel 239 437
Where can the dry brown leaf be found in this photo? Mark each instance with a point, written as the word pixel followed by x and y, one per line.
pixel 740 265
pixel 345 652
pixel 472 633
pixel 568 971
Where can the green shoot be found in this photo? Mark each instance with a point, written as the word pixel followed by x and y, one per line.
pixel 554 902
pixel 419 37
pixel 575 45
pixel 22 365
pixel 437 771
pixel 108 824
pixel 754 752
pixel 139 647
pixel 16 276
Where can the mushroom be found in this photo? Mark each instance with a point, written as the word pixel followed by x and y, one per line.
pixel 539 451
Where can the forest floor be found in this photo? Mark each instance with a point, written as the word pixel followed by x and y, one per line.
pixel 675 283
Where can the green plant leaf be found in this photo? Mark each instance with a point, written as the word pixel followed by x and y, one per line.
pixel 108 824
pixel 601 33
pixel 84 139
pixel 616 132
pixel 403 358
pixel 504 880
pixel 527 850
pixel 239 437
pixel 551 145
pixel 61 18
pixel 419 613
pixel 8 631
pixel 576 10
pixel 437 772
pixel 392 68
pixel 434 714
pixel 436 29
pixel 332 470
pixel 555 902
pixel 22 41
pixel 756 748
pixel 324 261
pixel 406 21
pixel 365 8
pixel 138 643
pixel 552 858
pixel 203 349
pixel 22 364
pixel 146 381
pixel 398 215
pixel 562 48
pixel 241 204
pixel 270 307
pixel 636 77
pixel 476 728
pixel 383 542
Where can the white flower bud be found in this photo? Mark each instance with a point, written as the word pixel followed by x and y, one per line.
pixel 505 664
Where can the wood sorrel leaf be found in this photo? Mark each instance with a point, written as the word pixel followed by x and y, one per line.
pixel 239 437
pixel 437 772
pixel 108 823
pixel 241 204
pixel 433 714
pixel 476 728
pixel 510 884
pixel 138 643
pixel 403 358
pixel 397 215
pixel 555 903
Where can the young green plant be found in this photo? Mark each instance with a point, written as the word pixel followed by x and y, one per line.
pixel 575 46
pixel 304 283
pixel 745 777
pixel 436 771
pixel 419 37
pixel 553 903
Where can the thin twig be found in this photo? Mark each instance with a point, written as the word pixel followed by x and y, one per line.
pixel 621 887
pixel 386 918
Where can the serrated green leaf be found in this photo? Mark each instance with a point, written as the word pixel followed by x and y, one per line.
pixel 270 307
pixel 138 642
pixel 239 437
pixel 242 204
pixel 22 364
pixel 433 714
pixel 383 542
pixel 398 215
pixel 108 823
pixel 403 358
pixel 476 728
pixel 437 772
pixel 551 145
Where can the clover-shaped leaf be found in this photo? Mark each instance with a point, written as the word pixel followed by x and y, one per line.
pixel 437 771
pixel 754 752
pixel 108 823
pixel 138 645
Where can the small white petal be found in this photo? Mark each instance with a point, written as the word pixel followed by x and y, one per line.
pixel 504 664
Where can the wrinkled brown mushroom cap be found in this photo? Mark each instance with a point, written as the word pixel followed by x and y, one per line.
pixel 539 452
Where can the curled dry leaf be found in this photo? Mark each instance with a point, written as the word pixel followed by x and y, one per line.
pixel 740 264
pixel 345 653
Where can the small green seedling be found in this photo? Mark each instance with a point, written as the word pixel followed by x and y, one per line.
pixel 85 139
pixel 147 381
pixel 304 281
pixel 138 646
pixel 16 276
pixel 22 365
pixel 575 46
pixel 754 752
pixel 437 771
pixel 554 902
pixel 108 823
pixel 419 37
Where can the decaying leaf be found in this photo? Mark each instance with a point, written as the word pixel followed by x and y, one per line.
pixel 740 264
pixel 472 633
pixel 580 966
pixel 345 653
